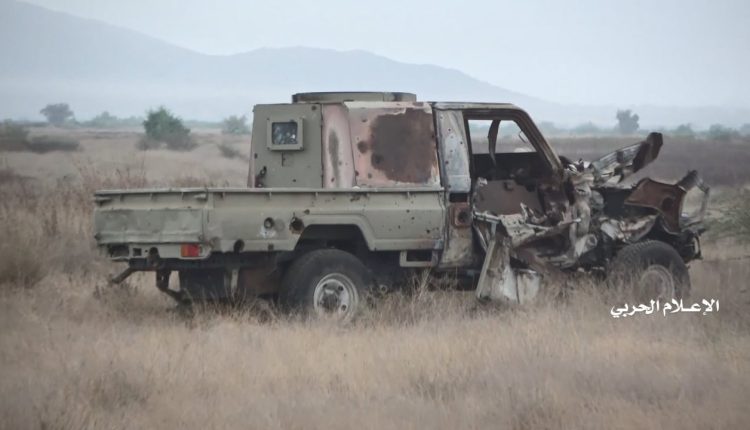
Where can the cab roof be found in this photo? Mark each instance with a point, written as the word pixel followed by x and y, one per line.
pixel 388 96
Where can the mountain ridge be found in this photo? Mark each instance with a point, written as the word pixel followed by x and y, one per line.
pixel 48 56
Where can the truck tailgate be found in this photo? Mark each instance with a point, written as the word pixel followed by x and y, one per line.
pixel 165 216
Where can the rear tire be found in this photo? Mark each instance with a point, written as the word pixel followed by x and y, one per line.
pixel 327 283
pixel 650 270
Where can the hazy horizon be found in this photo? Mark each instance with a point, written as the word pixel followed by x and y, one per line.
pixel 665 53
pixel 209 62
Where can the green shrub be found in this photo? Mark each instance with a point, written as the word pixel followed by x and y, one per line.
pixel 164 128
pixel 235 125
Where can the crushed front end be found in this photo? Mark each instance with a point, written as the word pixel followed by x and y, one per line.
pixel 601 217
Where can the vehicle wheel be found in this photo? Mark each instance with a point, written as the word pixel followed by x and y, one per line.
pixel 652 270
pixel 327 282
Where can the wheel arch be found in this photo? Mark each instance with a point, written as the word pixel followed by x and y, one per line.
pixel 347 237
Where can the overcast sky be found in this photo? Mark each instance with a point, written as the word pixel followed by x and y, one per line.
pixel 667 52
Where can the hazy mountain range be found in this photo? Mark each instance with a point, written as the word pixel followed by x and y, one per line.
pixel 48 56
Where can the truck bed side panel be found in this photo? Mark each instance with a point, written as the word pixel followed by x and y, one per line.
pixel 270 220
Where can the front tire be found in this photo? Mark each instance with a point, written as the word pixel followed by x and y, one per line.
pixel 327 283
pixel 651 270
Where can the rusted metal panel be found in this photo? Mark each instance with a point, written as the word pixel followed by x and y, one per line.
pixel 453 142
pixel 504 197
pixel 394 144
pixel 691 181
pixel 459 241
pixel 454 153
pixel 460 214
pixel 498 280
pixel 665 198
pixel 338 161
pixel 628 230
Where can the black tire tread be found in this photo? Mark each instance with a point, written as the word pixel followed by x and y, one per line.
pixel 295 285
pixel 637 256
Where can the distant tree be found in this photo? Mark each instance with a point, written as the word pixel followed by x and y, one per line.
pixel 745 129
pixel 107 120
pixel 721 133
pixel 548 127
pixel 627 121
pixel 586 128
pixel 684 130
pixel 235 125
pixel 162 126
pixel 103 120
pixel 58 113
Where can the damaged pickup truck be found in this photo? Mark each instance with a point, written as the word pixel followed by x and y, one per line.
pixel 350 192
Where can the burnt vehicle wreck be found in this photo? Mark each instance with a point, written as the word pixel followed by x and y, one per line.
pixel 620 230
pixel 350 192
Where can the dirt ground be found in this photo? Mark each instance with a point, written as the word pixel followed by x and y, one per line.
pixel 75 353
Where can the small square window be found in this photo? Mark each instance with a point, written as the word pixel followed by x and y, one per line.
pixel 285 135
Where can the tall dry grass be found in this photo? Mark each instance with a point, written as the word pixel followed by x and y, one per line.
pixel 75 353
pixel 121 359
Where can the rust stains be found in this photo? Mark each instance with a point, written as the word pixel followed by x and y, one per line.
pixel 664 198
pixel 504 197
pixel 402 146
pixel 363 147
pixel 460 214
pixel 338 163
pixel 333 152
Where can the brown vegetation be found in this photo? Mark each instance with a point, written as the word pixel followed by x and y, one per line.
pixel 228 151
pixel 75 353
pixel 14 137
pixel 720 163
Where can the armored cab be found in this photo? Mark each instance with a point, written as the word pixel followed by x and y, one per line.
pixel 344 140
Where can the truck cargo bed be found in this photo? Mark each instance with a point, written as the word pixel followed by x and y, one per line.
pixel 221 219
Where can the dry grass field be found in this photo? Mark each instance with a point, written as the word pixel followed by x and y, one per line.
pixel 75 353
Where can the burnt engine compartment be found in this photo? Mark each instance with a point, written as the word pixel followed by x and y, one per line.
pixel 582 222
